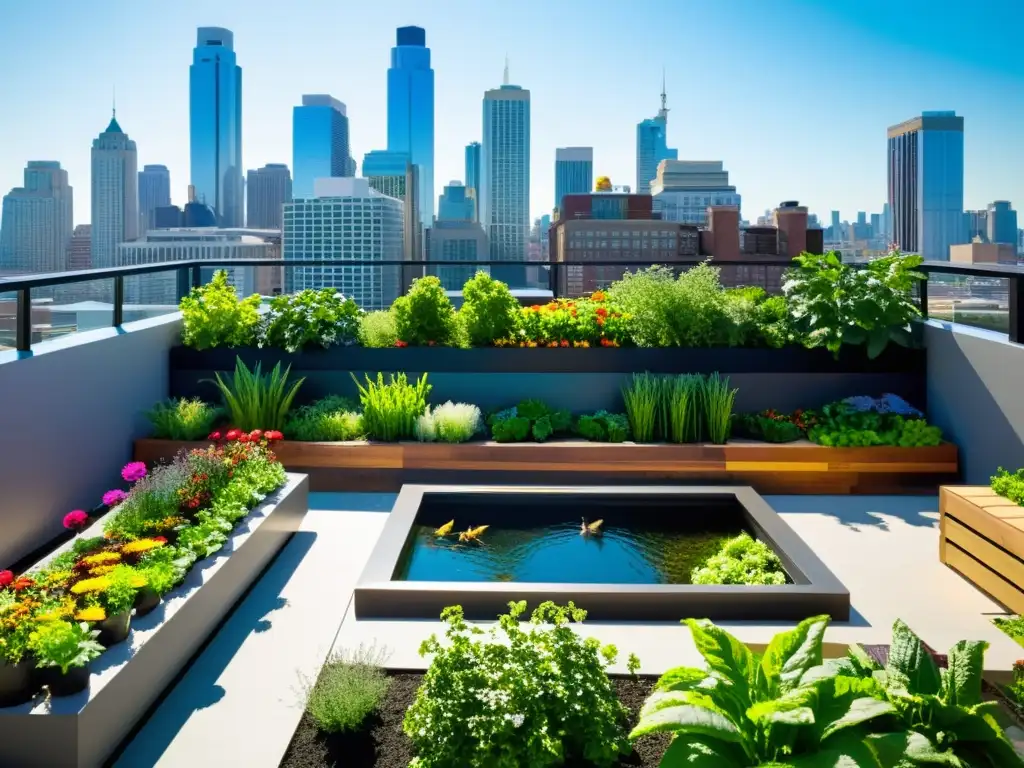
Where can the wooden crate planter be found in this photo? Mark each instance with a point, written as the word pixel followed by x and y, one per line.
pixel 981 536
pixel 798 468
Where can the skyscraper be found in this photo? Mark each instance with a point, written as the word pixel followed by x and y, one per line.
pixel 473 176
pixel 1002 223
pixel 267 189
pixel 454 204
pixel 411 110
pixel 926 184
pixel 652 145
pixel 80 248
pixel 392 174
pixel 574 172
pixel 35 222
pixel 320 144
pixel 215 125
pixel 115 193
pixel 154 192
pixel 505 177
pixel 683 190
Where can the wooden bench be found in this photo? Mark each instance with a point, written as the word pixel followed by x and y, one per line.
pixel 981 536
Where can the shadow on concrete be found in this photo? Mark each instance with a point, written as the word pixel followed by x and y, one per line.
pixel 197 688
pixel 352 502
pixel 857 512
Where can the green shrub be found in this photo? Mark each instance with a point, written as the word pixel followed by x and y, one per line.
pixel 213 316
pixel 760 426
pixel 604 427
pixel 349 689
pixel 257 401
pixel 864 421
pixel 390 409
pixel 377 329
pixel 533 694
pixel 310 318
pixel 183 419
pixel 742 560
pixel 328 420
pixel 529 419
pixel 1009 485
pixel 425 315
pixel 449 423
pixel 489 311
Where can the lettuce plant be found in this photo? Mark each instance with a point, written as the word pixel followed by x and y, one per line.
pixel 742 560
pixel 310 318
pixel 783 709
pixel 213 315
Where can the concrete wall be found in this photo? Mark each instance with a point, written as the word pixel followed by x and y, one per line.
pixel 976 394
pixel 69 411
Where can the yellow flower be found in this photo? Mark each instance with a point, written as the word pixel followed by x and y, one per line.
pixel 86 586
pixel 101 558
pixel 56 578
pixel 102 570
pixel 60 612
pixel 141 545
pixel 92 613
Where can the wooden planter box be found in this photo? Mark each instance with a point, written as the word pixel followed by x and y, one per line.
pixel 791 468
pixel 82 731
pixel 981 536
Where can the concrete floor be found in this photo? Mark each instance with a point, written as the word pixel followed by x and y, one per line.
pixel 242 699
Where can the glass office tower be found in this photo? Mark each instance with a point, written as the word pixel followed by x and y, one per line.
pixel 215 125
pixel 574 172
pixel 473 176
pixel 320 145
pixel 411 110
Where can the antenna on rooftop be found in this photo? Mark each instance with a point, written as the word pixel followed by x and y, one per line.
pixel 663 112
pixel 505 79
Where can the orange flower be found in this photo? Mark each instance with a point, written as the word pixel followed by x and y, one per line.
pixel 599 296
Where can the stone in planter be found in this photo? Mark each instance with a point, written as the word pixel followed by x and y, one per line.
pixel 114 629
pixel 17 682
pixel 146 601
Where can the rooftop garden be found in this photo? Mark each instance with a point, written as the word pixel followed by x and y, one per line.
pixel 825 304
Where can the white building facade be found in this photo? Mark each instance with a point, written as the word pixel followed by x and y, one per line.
pixel 115 194
pixel 683 190
pixel 347 220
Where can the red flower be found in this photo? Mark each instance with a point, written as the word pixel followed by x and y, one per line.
pixel 214 436
pixel 161 539
pixel 602 312
pixel 256 434
pixel 273 435
pixel 233 434
pixel 6 577
pixel 22 582
pixel 564 343
pixel 401 343
pixel 243 438
pixel 600 320
pixel 75 520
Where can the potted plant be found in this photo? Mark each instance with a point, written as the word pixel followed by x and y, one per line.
pixel 63 651
pixel 16 663
pixel 160 576
pixel 123 584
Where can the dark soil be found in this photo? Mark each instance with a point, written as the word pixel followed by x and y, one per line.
pixel 382 744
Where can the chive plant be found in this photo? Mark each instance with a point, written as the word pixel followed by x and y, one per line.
pixel 391 408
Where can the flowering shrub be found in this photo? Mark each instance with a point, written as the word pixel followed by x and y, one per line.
pixel 517 697
pixel 588 322
pixel 310 318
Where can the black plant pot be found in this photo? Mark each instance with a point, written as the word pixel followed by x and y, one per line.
pixel 114 629
pixel 65 684
pixel 17 682
pixel 146 601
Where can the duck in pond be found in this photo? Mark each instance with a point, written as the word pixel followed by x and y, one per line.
pixel 591 529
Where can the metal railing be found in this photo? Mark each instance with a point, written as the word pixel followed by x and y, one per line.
pixel 190 276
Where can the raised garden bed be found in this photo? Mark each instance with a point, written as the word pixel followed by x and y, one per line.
pixel 382 744
pixel 981 536
pixel 582 380
pixel 789 468
pixel 84 729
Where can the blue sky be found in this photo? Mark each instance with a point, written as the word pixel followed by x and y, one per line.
pixel 793 95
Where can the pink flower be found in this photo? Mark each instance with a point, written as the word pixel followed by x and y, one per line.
pixel 76 520
pixel 133 471
pixel 114 496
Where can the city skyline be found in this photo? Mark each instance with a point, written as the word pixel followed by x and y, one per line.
pixel 806 139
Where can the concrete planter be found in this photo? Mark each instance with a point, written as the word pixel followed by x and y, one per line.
pixel 582 380
pixel 82 730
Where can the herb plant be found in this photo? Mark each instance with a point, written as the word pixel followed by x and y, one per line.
pixel 183 419
pixel 449 423
pixel 255 400
pixel 1009 485
pixel 530 419
pixel 604 427
pixel 64 644
pixel 349 688
pixel 331 419
pixel 310 318
pixel 782 709
pixel 534 695
pixel 489 310
pixel 390 409
pixel 425 316
pixel 866 421
pixel 716 401
pixel 214 316
pixel 377 329
pixel 643 398
pixel 832 303
pixel 742 560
